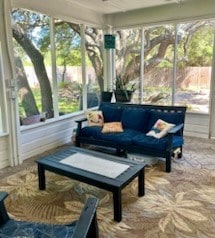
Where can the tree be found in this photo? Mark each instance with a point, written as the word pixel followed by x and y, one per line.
pixel 158 40
pixel 94 47
pixel 67 45
pixel 25 94
pixel 37 59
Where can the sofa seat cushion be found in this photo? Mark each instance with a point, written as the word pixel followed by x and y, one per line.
pixel 135 119
pixel 121 138
pixel 91 132
pixel 154 143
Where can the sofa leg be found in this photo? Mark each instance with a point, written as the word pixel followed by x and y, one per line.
pixel 77 143
pixel 168 164
pixel 118 152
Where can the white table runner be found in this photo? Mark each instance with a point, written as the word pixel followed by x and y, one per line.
pixel 95 165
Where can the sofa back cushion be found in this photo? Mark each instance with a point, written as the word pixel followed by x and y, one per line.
pixel 111 113
pixel 135 119
pixel 174 118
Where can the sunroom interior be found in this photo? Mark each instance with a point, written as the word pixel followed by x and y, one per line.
pixel 54 63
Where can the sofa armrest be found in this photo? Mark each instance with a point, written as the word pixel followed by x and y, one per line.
pixel 3 213
pixel 81 120
pixel 87 223
pixel 171 133
pixel 176 129
pixel 79 126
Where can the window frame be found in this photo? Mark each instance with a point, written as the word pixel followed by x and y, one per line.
pixel 3 105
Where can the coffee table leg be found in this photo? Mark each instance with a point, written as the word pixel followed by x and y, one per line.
pixel 141 183
pixel 41 177
pixel 117 205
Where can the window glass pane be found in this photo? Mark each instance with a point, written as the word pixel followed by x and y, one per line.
pixel 158 64
pixel 68 60
pixel 31 35
pixel 128 45
pixel 194 53
pixel 94 65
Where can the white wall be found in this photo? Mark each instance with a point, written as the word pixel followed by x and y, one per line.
pixel 197 125
pixel 40 137
pixel 4 158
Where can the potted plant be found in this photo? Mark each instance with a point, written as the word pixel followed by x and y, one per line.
pixel 123 89
pixel 106 96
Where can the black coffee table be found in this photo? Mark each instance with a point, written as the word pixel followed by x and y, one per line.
pixel 115 185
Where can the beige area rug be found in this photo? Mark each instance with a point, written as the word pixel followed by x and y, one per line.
pixel 178 204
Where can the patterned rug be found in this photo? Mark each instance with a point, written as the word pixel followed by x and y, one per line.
pixel 179 204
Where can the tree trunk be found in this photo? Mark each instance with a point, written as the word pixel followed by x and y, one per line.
pixel 64 72
pixel 25 93
pixel 40 70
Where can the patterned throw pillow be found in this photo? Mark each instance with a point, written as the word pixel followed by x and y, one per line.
pixel 112 127
pixel 160 129
pixel 95 118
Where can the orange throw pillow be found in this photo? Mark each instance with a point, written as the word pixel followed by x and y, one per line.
pixel 112 127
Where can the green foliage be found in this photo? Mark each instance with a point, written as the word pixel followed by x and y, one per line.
pixel 72 86
pixel 196 47
pixel 37 96
pixel 69 57
pixel 68 45
pixel 200 50
pixel 151 89
pixel 65 104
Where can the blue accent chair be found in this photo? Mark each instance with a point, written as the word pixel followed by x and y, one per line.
pixel 85 227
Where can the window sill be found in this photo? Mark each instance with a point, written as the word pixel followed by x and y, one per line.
pixel 51 120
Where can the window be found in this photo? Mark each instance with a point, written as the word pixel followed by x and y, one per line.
pixel 128 49
pixel 94 65
pixel 177 63
pixel 42 92
pixel 68 61
pixel 158 64
pixel 31 35
pixel 194 61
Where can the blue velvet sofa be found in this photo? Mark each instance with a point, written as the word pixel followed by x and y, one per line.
pixel 137 120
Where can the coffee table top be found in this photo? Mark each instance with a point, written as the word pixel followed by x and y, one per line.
pixel 53 163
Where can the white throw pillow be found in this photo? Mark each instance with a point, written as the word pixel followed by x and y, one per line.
pixel 95 118
pixel 160 129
